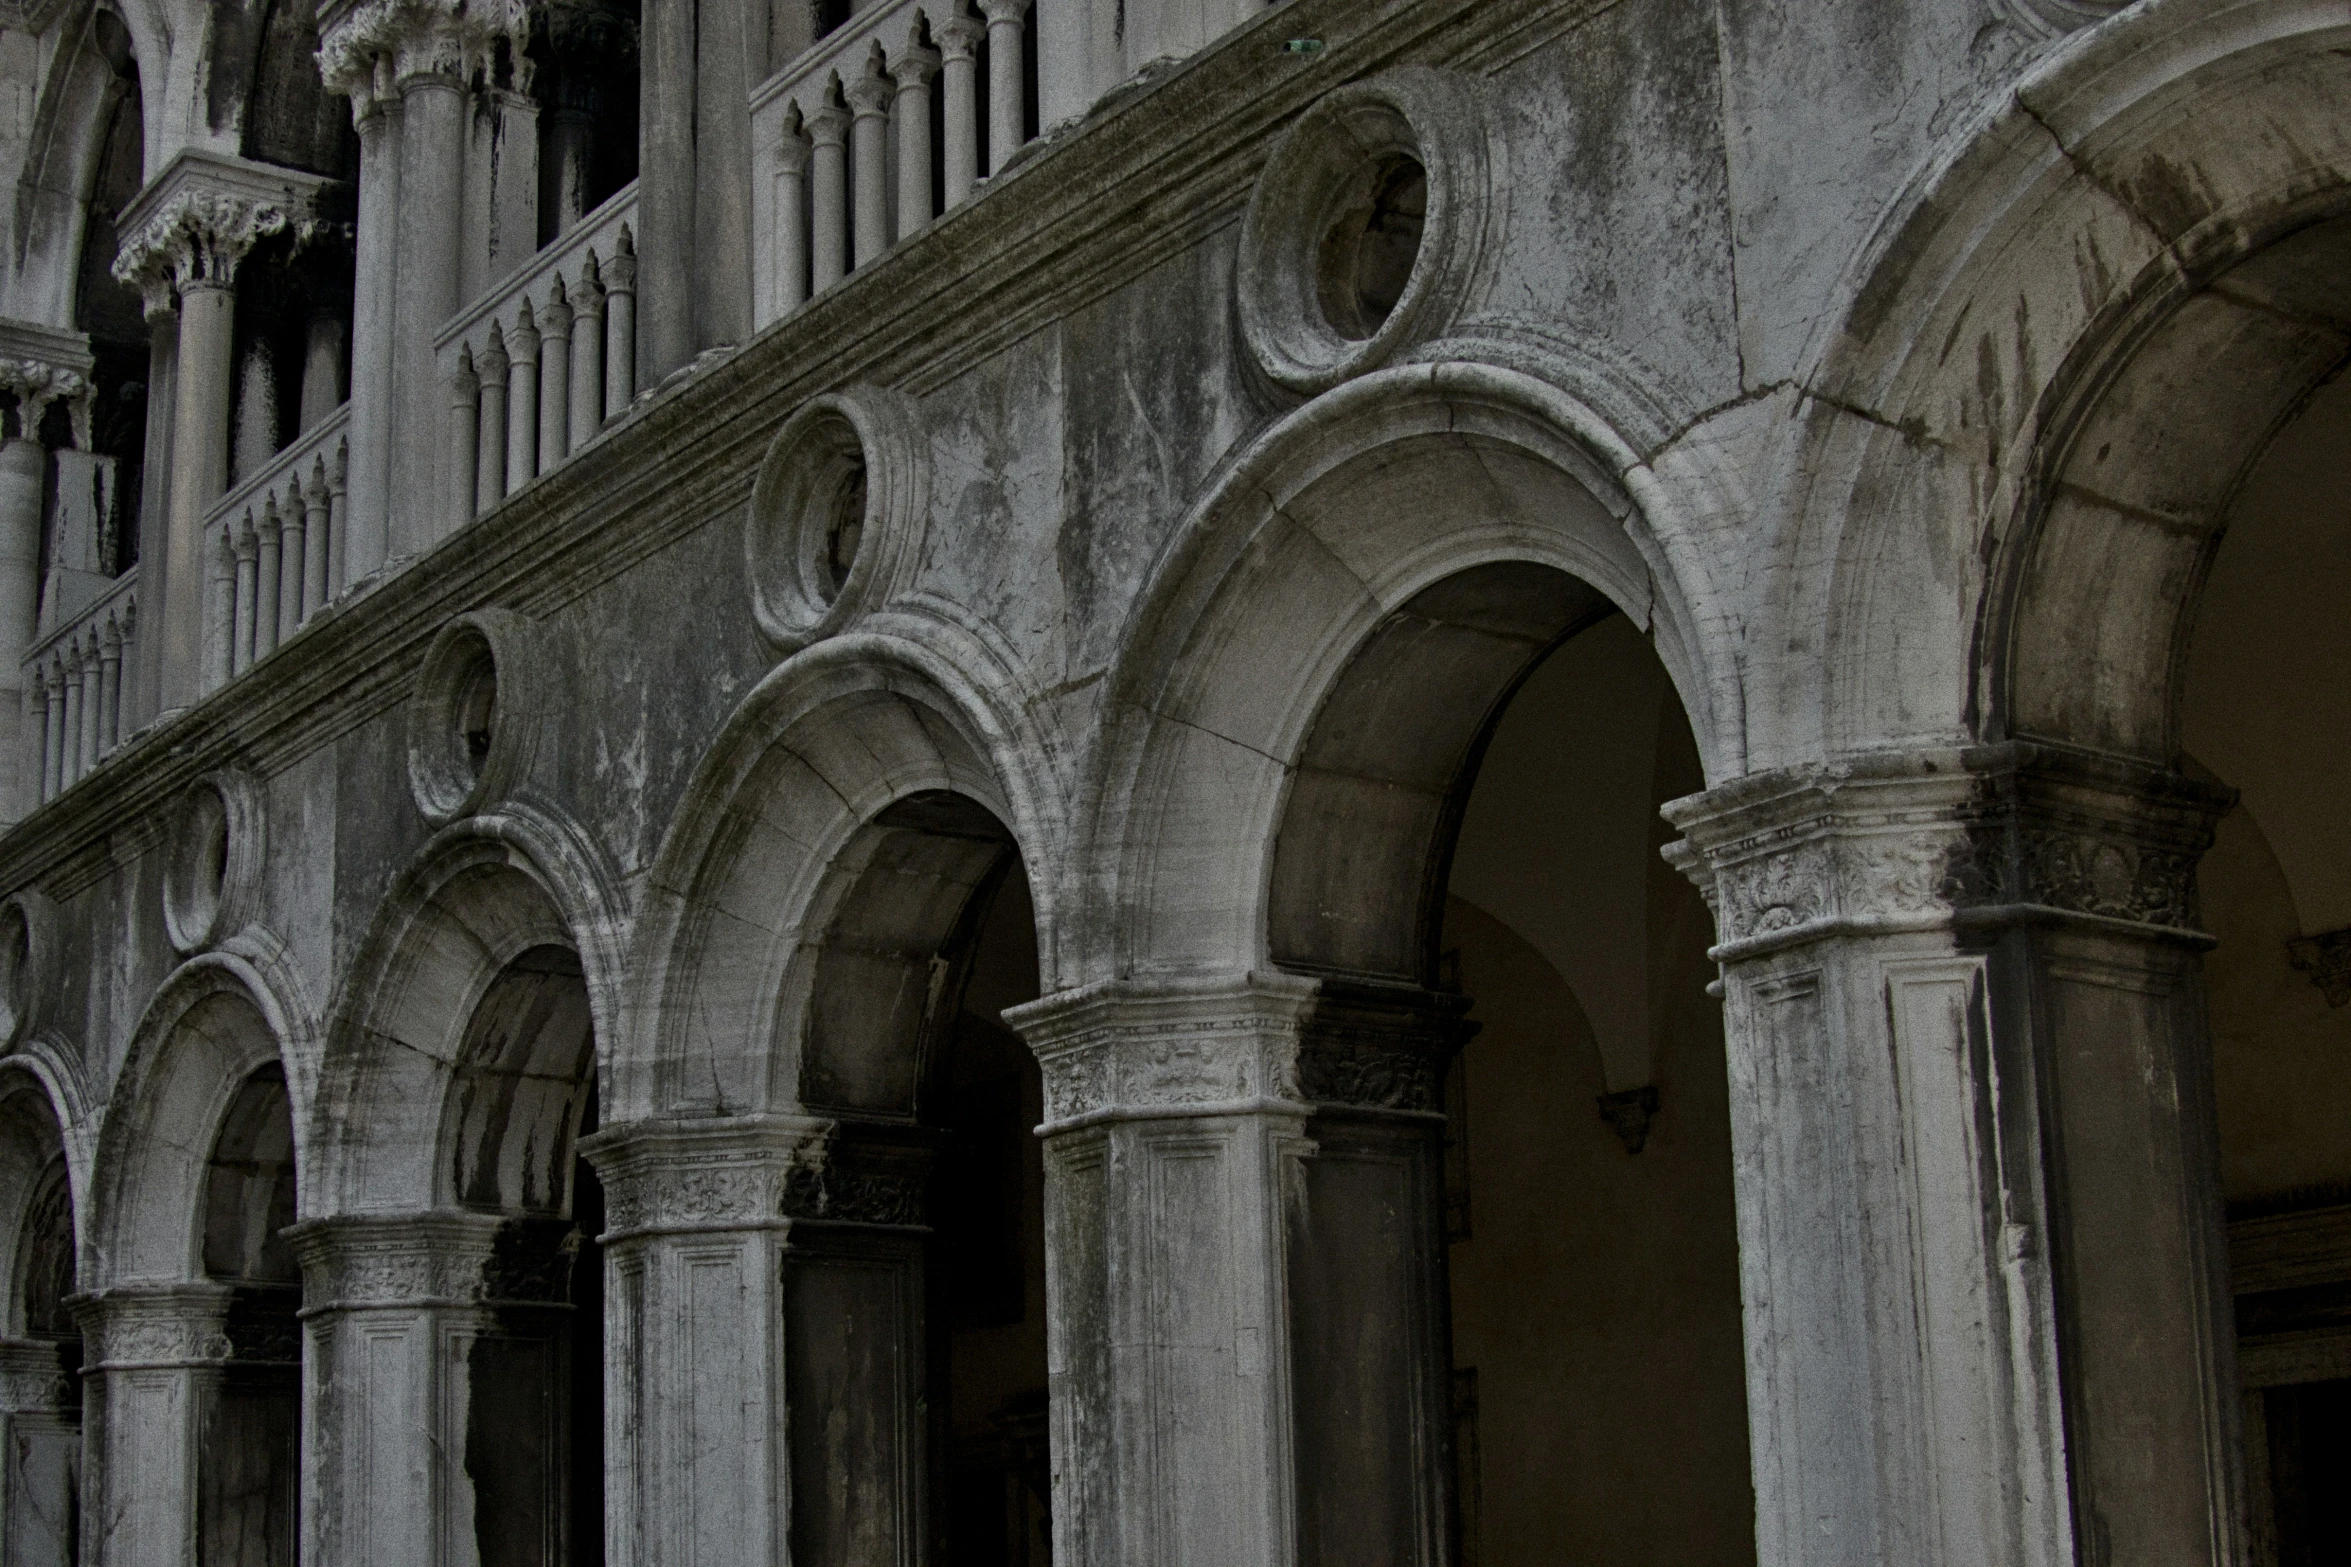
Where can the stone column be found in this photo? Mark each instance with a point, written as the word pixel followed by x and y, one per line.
pixel 24 469
pixel 694 185
pixel 1980 1224
pixel 828 171
pixel 41 1447
pixel 374 312
pixel 143 696
pixel 1007 94
pixel 764 1341
pixel 197 240
pixel 959 52
pixel 154 1368
pixel 435 1379
pixel 432 70
pixel 1245 1270
pixel 911 73
pixel 869 97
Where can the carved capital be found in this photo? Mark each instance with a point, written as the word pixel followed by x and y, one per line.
pixel 41 365
pixel 750 1172
pixel 197 240
pixel 1929 840
pixel 159 1326
pixel 1274 1042
pixel 439 1257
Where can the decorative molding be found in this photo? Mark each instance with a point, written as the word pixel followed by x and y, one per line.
pixel 474 724
pixel 860 441
pixel 2326 958
pixel 193 224
pixel 1264 1041
pixel 368 48
pixel 217 848
pixel 150 1327
pixel 742 1172
pixel 1310 186
pixel 443 1257
pixel 41 365
pixel 1925 840
pixel 28 964
pixel 1629 1113
pixel 2055 18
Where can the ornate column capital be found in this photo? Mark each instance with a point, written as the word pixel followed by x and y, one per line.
pixel 680 1176
pixel 370 49
pixel 42 365
pixel 436 1257
pixel 148 1327
pixel 1961 838
pixel 194 223
pixel 1238 1044
pixel 38 1374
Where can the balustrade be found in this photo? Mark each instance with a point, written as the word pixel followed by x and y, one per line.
pixel 271 548
pixel 891 119
pixel 74 687
pixel 539 365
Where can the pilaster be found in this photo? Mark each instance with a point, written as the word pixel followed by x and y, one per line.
pixel 154 1362
pixel 41 1448
pixel 765 1347
pixel 1245 1263
pixel 412 1321
pixel 1980 1228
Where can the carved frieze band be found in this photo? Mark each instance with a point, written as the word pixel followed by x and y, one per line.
pixel 171 1327
pixel 433 1258
pixel 757 1171
pixel 1923 840
pixel 1272 1041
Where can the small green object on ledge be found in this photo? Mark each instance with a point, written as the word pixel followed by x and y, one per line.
pixel 1303 46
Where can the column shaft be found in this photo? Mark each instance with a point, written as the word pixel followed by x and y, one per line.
pixel 23 470
pixel 432 148
pixel 1245 1258
pixel 374 325
pixel 199 472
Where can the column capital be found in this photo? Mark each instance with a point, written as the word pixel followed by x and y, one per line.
pixel 434 1257
pixel 371 49
pixel 1001 12
pixel 681 1175
pixel 194 223
pixel 1237 1044
pixel 1962 837
pixel 913 68
pixel 870 92
pixel 42 365
pixel 37 1373
pixel 960 36
pixel 142 1327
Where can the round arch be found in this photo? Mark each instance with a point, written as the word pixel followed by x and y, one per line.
pixel 1308 565
pixel 218 1019
pixel 826 773
pixel 2061 353
pixel 40 1126
pixel 480 895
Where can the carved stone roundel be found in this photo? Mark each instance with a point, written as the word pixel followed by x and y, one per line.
pixel 1366 229
pixel 213 857
pixel 837 515
pixel 475 719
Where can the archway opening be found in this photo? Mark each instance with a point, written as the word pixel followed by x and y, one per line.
pixel 2264 703
pixel 42 1348
pixel 928 936
pixel 522 1094
pixel 1476 809
pixel 249 1451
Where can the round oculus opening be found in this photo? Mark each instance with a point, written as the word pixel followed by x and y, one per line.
pixel 16 960
pixel 473 711
pixel 1370 244
pixel 844 529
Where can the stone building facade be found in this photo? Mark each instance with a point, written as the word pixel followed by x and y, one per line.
pixel 1175 783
